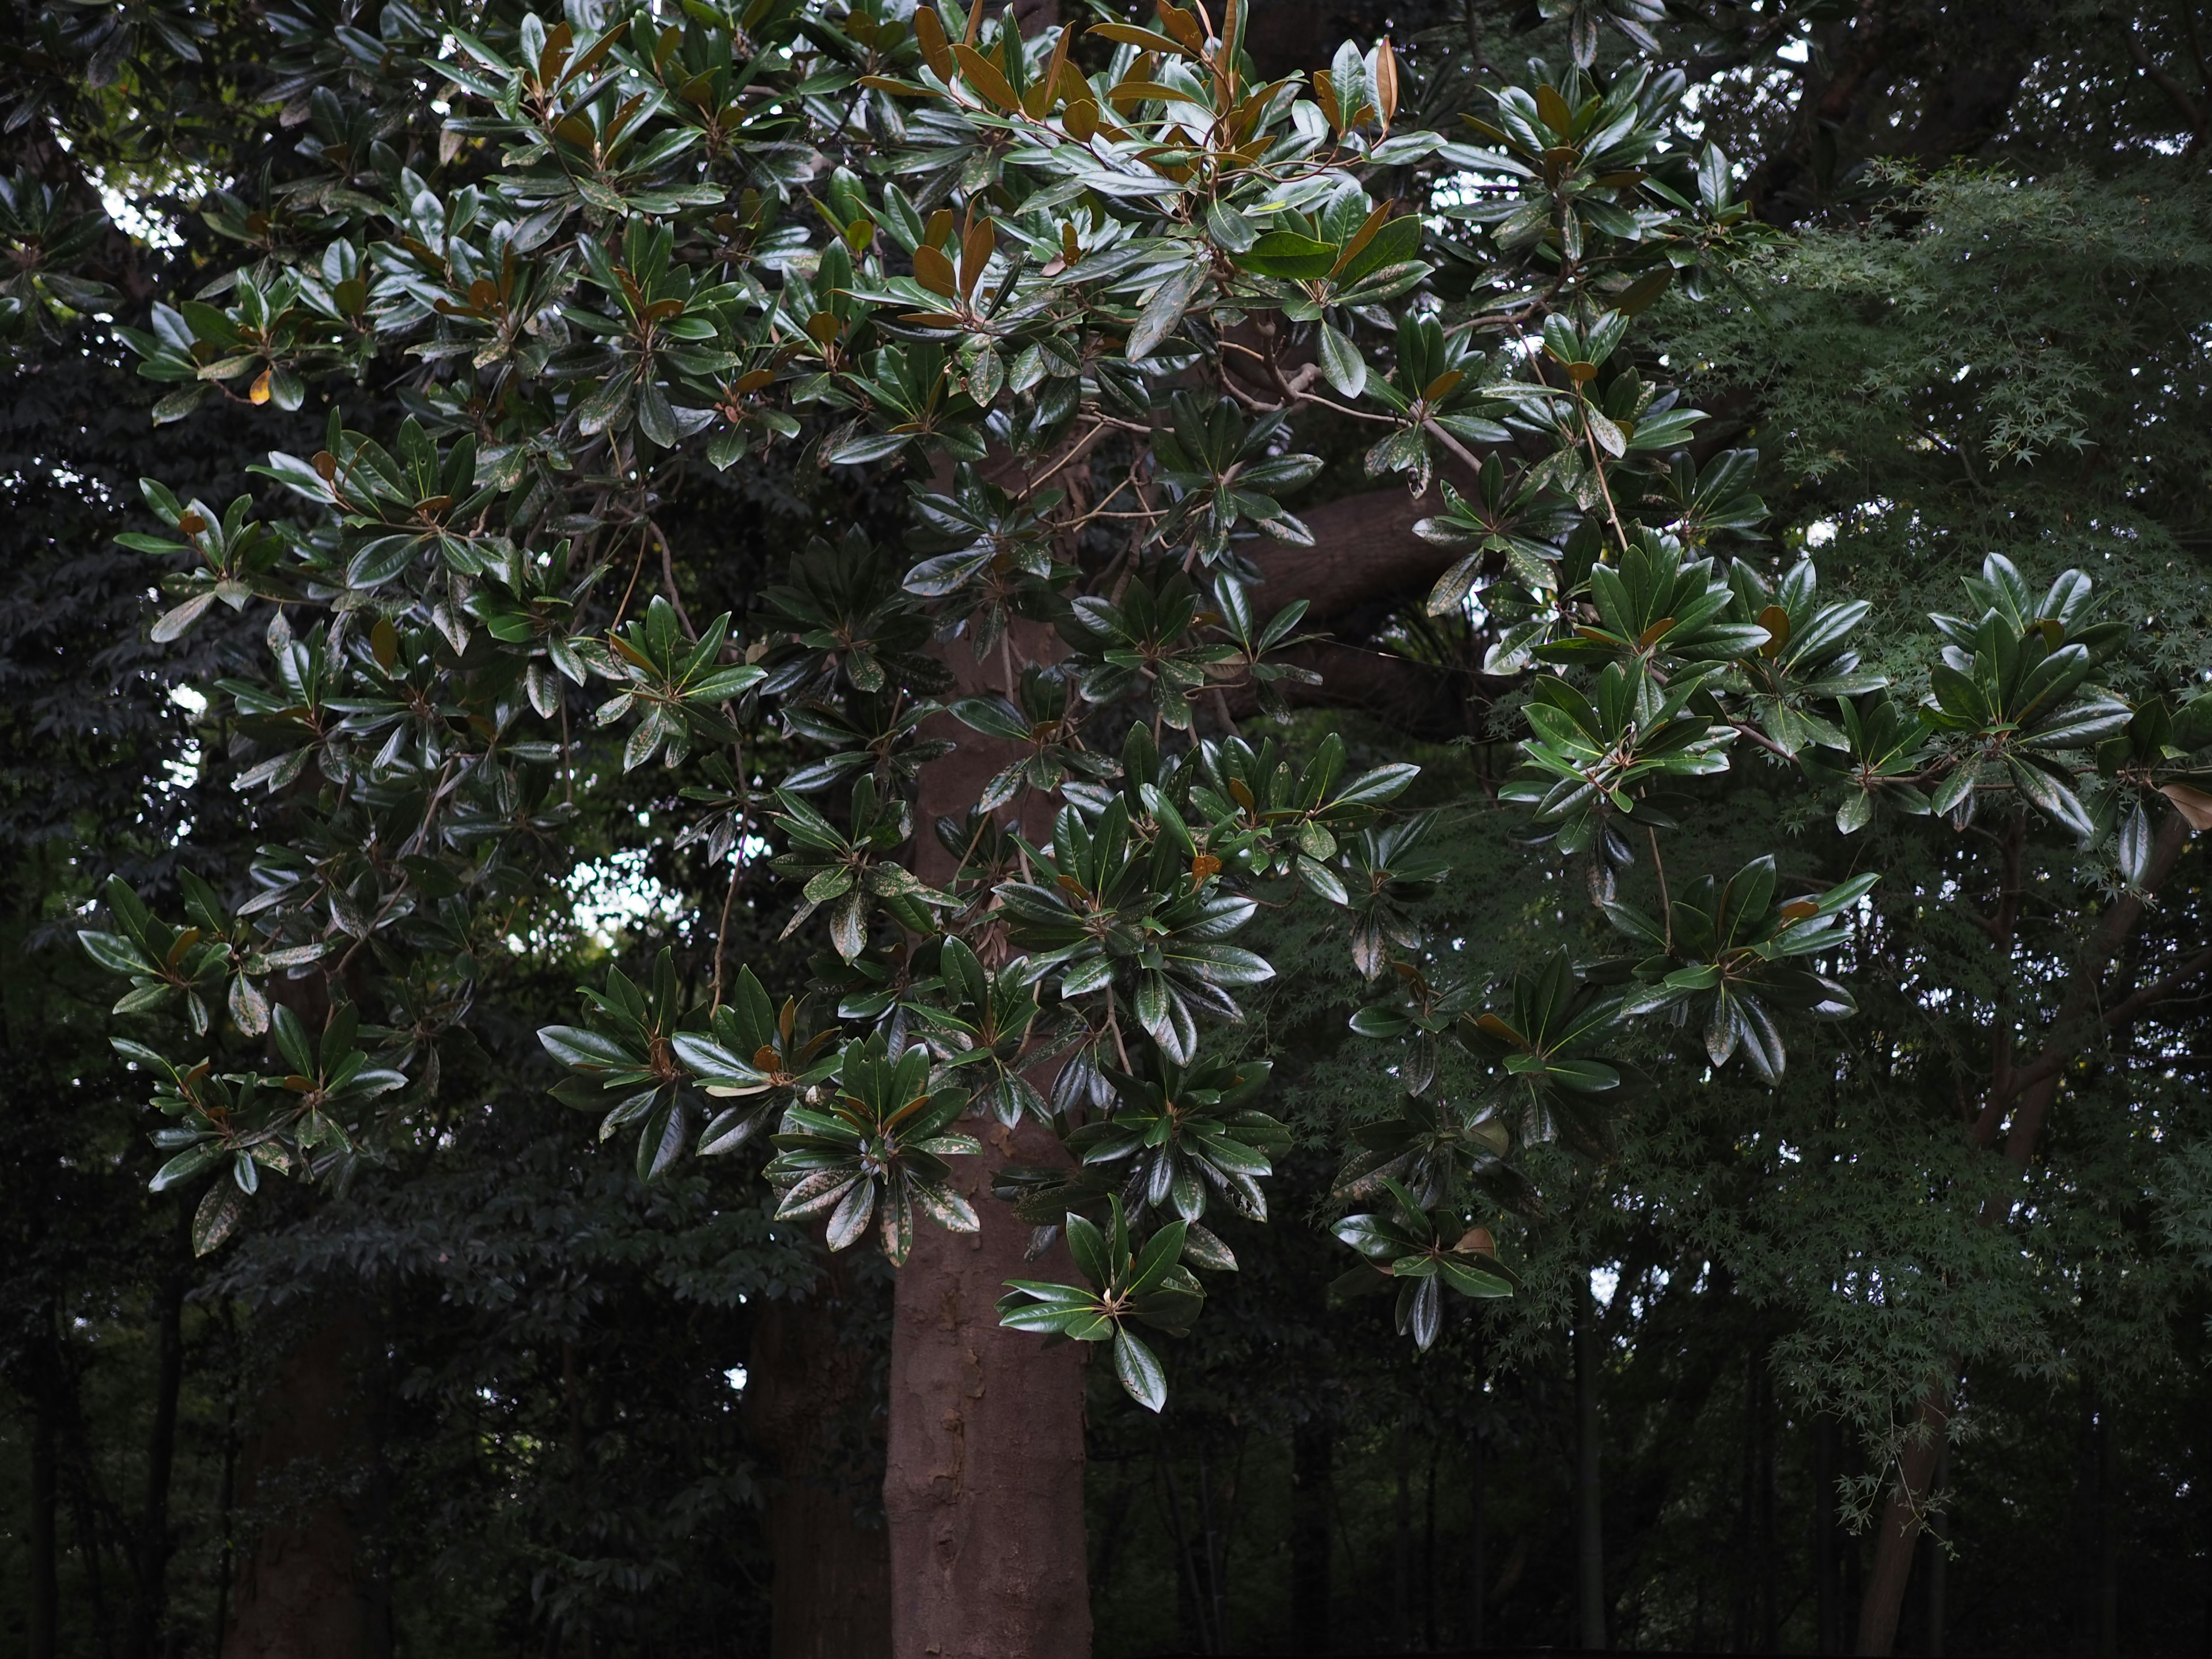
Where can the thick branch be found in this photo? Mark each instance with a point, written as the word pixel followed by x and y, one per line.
pixel 1364 556
pixel 2035 1085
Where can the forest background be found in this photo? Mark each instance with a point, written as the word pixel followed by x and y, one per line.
pixel 576 1414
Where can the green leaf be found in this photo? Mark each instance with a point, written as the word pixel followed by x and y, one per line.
pixel 1165 309
pixel 1139 1372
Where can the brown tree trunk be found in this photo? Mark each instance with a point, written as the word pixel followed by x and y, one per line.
pixel 807 1388
pixel 983 1481
pixel 983 1485
pixel 300 1593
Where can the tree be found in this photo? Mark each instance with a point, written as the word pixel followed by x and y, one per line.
pixel 1087 317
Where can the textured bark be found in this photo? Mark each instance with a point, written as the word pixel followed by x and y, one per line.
pixel 983 1486
pixel 1364 559
pixel 299 1591
pixel 807 1395
pixel 983 1480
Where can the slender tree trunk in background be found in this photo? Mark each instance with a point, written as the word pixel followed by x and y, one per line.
pixel 1313 1446
pixel 1478 1564
pixel 1429 1554
pixel 1827 1606
pixel 1763 1517
pixel 299 1591
pixel 45 1610
pixel 149 1607
pixel 2107 1552
pixel 804 1383
pixel 1401 1561
pixel 1589 1519
pixel 1939 1564
pixel 2015 1110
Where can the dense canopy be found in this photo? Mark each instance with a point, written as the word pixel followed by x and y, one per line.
pixel 1155 670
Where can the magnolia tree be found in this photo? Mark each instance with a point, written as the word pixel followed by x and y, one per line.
pixel 1076 284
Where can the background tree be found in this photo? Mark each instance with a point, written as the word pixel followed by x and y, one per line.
pixel 1405 564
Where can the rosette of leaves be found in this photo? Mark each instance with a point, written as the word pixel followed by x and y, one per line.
pixel 1596 754
pixel 1347 255
pixel 1434 390
pixel 1257 643
pixel 624 1066
pixel 990 552
pixel 1549 1041
pixel 1045 723
pixel 1263 816
pixel 843 614
pixel 1705 504
pixel 213 958
pixel 675 686
pixel 237 558
pixel 663 331
pixel 1806 663
pixel 1731 955
pixel 1886 758
pixel 1221 471
pixel 2011 715
pixel 582 142
pixel 1127 1286
pixel 1405 1246
pixel 1182 1130
pixel 1436 1148
pixel 392 509
pixel 984 1023
pixel 1146 642
pixel 1519 527
pixel 1579 153
pixel 2003 593
pixel 528 601
pixel 877 732
pixel 1389 871
pixel 45 236
pixel 304 1124
pixel 855 873
pixel 875 1141
pixel 2152 757
pixel 753 1053
pixel 1654 609
pixel 1120 913
pixel 262 337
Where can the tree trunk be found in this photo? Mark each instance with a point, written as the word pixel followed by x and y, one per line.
pixel 45 1610
pixel 2015 1109
pixel 1313 1446
pixel 1827 1604
pixel 983 1481
pixel 1402 1623
pixel 1938 1533
pixel 984 1485
pixel 1589 1519
pixel 1478 1567
pixel 806 1388
pixel 300 1593
pixel 148 1609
